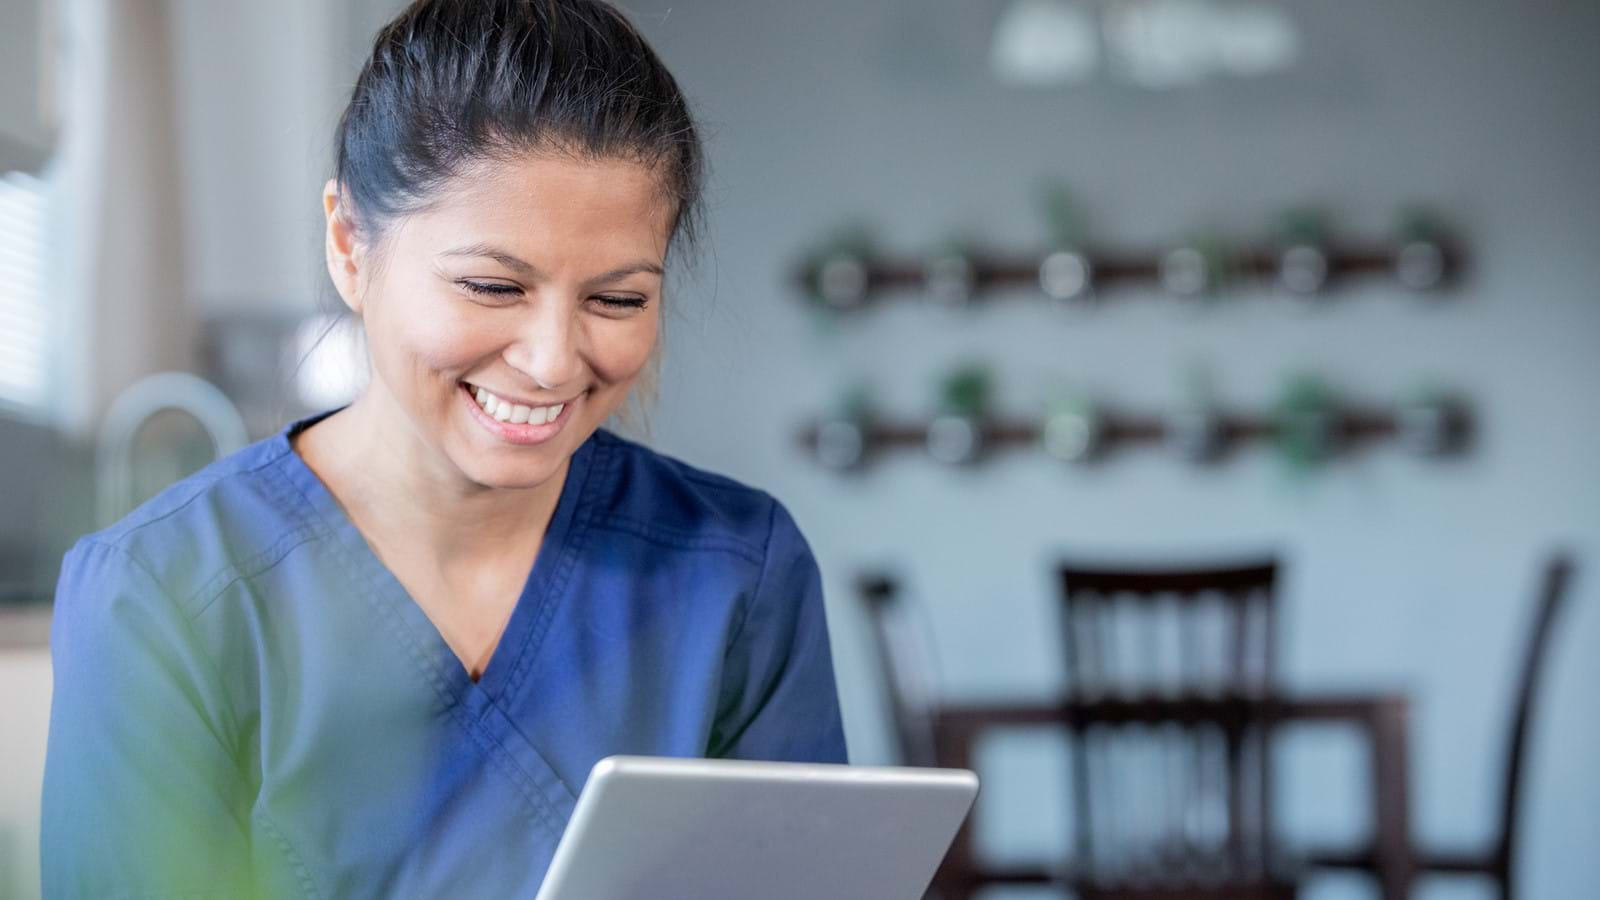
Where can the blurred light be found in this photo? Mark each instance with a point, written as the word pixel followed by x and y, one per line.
pixel 1185 272
pixel 24 328
pixel 1161 43
pixel 954 439
pixel 1041 43
pixel 1420 265
pixel 1065 275
pixel 1255 39
pixel 840 444
pixel 843 281
pixel 1070 436
pixel 1303 269
pixel 332 361
pixel 1151 43
pixel 1171 43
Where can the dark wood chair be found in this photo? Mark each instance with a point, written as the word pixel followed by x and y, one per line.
pixel 1195 744
pixel 1380 719
pixel 905 669
pixel 911 698
pixel 1498 861
pixel 1180 808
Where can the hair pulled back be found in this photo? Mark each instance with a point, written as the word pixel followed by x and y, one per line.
pixel 456 84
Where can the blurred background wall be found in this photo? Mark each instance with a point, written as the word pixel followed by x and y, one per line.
pixel 1402 574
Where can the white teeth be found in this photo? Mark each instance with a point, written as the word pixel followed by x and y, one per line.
pixel 515 414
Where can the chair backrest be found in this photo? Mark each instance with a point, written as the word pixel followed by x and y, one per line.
pixel 904 667
pixel 1181 799
pixel 1552 595
pixel 1197 630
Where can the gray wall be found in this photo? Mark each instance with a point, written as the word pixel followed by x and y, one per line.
pixel 47 499
pixel 1403 575
pixel 24 137
pixel 260 87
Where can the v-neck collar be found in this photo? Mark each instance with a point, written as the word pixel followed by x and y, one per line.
pixel 535 605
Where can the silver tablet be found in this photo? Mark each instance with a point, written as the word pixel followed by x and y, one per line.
pixel 650 828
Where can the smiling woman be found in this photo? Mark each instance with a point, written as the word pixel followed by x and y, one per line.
pixel 537 280
pixel 377 653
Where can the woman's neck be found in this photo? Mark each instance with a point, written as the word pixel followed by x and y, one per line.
pixel 408 496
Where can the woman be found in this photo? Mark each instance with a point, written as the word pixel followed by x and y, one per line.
pixel 377 654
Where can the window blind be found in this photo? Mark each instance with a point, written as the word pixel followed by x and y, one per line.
pixel 25 330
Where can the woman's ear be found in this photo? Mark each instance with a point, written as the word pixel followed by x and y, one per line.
pixel 343 250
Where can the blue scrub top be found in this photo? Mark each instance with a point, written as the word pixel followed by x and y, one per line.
pixel 247 702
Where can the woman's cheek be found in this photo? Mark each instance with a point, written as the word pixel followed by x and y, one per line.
pixel 624 346
pixel 448 339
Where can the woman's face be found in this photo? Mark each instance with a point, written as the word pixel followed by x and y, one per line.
pixel 530 289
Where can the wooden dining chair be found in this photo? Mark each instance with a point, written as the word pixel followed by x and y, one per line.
pixel 1498 861
pixel 1177 809
pixel 905 670
pixel 911 697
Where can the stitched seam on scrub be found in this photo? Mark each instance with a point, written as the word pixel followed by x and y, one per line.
pixel 496 751
pixel 681 468
pixel 497 755
pixel 397 626
pixel 285 492
pixel 200 490
pixel 301 872
pixel 229 738
pixel 577 538
pixel 711 479
pixel 369 586
pixel 292 498
pixel 249 568
pixel 678 539
pixel 761 580
pixel 119 540
pixel 534 638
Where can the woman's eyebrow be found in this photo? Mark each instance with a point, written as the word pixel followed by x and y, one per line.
pixel 630 269
pixel 500 256
pixel 522 266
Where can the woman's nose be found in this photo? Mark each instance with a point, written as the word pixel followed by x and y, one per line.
pixel 547 348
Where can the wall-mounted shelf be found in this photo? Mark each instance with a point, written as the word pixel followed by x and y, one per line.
pixel 1434 429
pixel 1423 261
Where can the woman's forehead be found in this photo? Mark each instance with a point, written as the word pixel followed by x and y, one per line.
pixel 539 197
pixel 550 180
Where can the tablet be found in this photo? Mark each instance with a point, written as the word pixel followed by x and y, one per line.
pixel 652 828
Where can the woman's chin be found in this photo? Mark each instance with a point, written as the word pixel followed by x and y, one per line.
pixel 512 474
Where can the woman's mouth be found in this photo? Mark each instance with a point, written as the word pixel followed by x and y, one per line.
pixel 513 422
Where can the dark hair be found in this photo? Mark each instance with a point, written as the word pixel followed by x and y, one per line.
pixel 456 83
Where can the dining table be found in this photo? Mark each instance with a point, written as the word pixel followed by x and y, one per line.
pixel 1381 718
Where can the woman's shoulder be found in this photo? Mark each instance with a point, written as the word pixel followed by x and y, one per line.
pixel 207 522
pixel 642 489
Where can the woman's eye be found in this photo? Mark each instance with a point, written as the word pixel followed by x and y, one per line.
pixel 506 292
pixel 490 290
pixel 622 303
